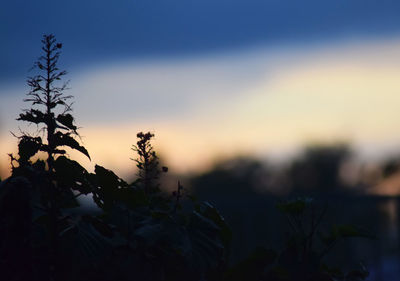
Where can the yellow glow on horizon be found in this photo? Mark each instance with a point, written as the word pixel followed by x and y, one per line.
pixel 353 95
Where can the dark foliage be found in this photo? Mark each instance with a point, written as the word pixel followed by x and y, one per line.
pixel 147 163
pixel 48 94
pixel 137 231
pixel 302 257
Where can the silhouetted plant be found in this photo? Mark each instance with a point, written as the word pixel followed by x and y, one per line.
pixel 178 196
pixel 147 163
pixel 48 95
pixel 151 229
pixel 302 258
pixel 138 232
pixel 54 179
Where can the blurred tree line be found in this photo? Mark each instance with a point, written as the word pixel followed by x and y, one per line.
pixel 246 190
pixel 317 170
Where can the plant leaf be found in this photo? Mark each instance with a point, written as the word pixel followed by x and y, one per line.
pixel 28 146
pixel 67 120
pixel 33 115
pixel 71 174
pixel 65 139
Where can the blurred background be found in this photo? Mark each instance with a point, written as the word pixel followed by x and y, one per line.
pixel 250 101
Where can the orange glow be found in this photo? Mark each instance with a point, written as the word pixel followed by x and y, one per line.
pixel 348 93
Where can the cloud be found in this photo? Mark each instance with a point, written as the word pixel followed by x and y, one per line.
pixel 260 102
pixel 173 28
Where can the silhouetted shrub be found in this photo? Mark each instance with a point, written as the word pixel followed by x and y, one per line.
pixel 137 231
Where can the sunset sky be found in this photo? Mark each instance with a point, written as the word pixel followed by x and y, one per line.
pixel 212 78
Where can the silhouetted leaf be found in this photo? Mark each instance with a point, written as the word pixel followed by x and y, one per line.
pixel 61 139
pixel 72 175
pixel 34 116
pixel 28 147
pixel 208 248
pixel 102 227
pixel 210 212
pixel 67 120
pixel 80 239
pixel 107 187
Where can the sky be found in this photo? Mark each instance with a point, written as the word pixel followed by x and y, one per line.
pixel 212 78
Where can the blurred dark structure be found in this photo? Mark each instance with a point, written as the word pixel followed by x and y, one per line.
pixel 246 192
pixel 317 170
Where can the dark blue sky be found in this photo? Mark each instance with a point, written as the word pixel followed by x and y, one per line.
pixel 96 31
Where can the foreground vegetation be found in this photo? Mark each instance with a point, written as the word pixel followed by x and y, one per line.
pixel 137 232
